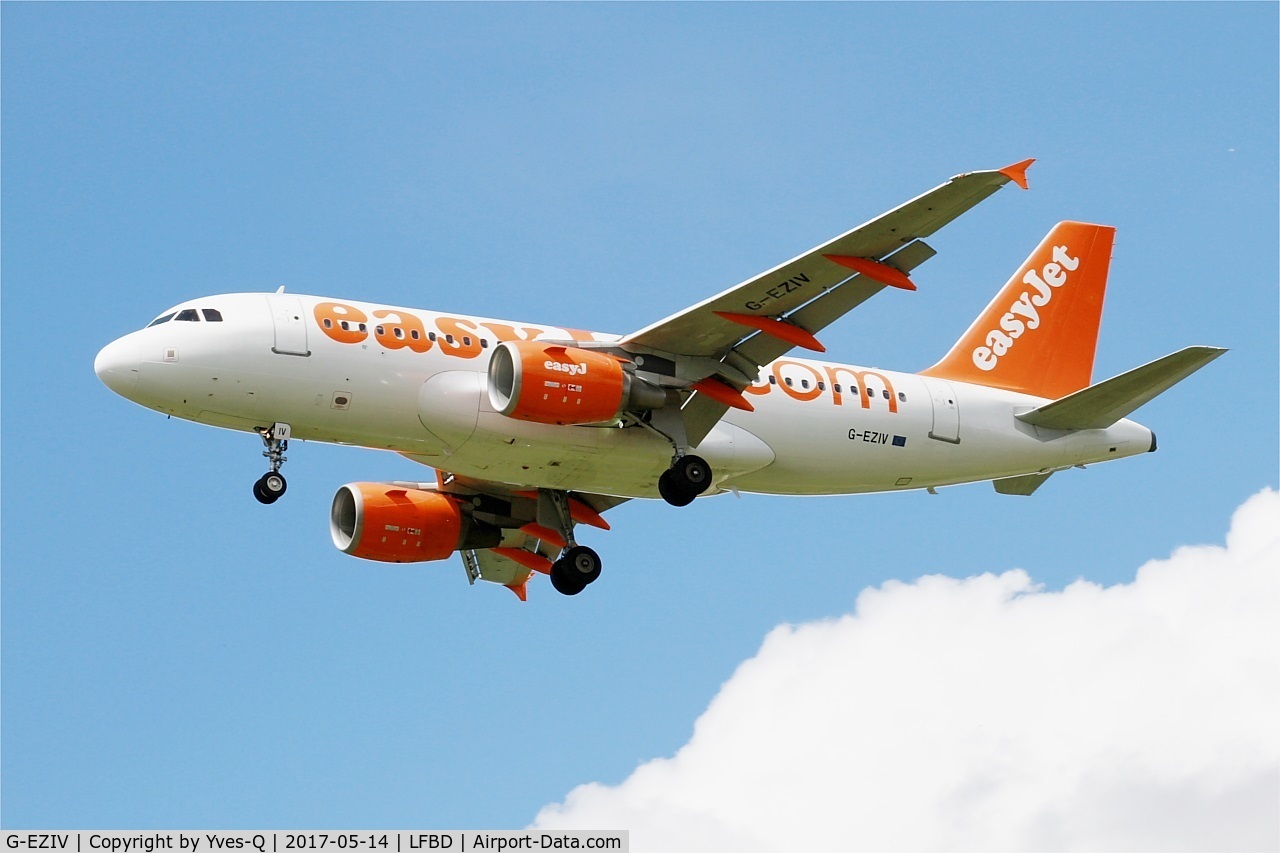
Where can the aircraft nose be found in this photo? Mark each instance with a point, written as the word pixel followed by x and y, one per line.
pixel 118 367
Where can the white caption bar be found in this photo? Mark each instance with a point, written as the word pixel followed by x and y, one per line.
pixel 306 841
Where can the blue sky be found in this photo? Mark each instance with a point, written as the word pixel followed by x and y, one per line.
pixel 175 655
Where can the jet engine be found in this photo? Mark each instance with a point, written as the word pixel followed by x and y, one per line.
pixel 395 524
pixel 557 384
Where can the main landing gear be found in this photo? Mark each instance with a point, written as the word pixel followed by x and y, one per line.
pixel 577 568
pixel 688 477
pixel 271 486
pixel 578 565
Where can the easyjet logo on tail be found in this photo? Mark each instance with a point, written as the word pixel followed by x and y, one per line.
pixel 1039 333
pixel 1023 314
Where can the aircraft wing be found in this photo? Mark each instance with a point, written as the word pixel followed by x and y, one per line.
pixel 527 519
pixel 868 257
pixel 766 316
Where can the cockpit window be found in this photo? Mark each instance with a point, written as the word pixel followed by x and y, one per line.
pixel 188 314
pixel 161 319
pixel 212 315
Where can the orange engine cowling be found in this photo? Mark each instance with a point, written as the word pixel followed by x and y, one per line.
pixel 557 384
pixel 395 524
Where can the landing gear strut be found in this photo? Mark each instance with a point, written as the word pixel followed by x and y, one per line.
pixel 688 476
pixel 270 486
pixel 578 565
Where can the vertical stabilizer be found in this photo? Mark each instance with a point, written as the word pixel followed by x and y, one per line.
pixel 1039 334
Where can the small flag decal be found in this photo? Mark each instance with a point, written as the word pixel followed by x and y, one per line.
pixel 899 441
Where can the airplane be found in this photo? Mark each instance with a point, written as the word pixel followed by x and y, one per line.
pixel 533 430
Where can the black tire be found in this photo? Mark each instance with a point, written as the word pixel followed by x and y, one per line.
pixel 269 487
pixel 564 580
pixel 582 563
pixel 693 472
pixel 672 492
pixel 273 483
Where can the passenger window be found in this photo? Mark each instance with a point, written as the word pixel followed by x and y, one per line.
pixel 788 381
pixel 466 340
pixel 157 321
pixel 902 396
pixel 448 338
pixel 413 333
pixel 484 343
pixel 399 333
pixel 822 386
pixel 885 392
pixel 773 380
pixel 378 330
pixel 804 383
pixel 328 324
pixel 212 315
pixel 431 336
pixel 188 314
pixel 836 387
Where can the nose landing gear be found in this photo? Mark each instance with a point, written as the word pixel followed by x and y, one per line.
pixel 271 486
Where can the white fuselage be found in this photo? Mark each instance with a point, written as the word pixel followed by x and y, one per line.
pixel 414 381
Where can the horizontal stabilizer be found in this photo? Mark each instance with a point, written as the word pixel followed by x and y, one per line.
pixel 1024 485
pixel 1101 405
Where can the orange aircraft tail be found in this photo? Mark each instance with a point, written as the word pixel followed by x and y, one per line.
pixel 1039 334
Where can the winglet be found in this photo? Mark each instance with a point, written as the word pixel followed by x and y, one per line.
pixel 1018 172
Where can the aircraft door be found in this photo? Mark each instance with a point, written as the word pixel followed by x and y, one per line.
pixel 946 411
pixel 290 324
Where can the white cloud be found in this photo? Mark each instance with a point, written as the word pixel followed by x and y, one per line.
pixel 988 714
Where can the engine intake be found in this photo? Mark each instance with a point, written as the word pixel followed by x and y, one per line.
pixel 394 524
pixel 557 384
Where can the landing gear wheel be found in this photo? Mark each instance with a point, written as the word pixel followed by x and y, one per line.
pixel 269 487
pixel 671 491
pixel 578 567
pixel 688 477
pixel 583 563
pixel 563 580
pixel 692 472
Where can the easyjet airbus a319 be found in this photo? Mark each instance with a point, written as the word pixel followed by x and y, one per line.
pixel 533 430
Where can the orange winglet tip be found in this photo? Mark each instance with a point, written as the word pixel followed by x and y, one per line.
pixel 1018 172
pixel 874 270
pixel 721 393
pixel 584 514
pixel 520 589
pixel 546 534
pixel 788 332
pixel 528 559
